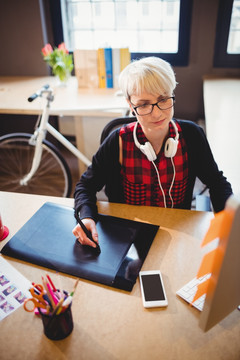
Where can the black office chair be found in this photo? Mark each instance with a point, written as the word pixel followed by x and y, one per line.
pixel 200 201
pixel 114 124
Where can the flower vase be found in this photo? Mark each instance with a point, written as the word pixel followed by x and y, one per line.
pixel 63 79
pixel 60 62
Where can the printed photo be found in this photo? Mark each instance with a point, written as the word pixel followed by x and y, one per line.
pixel 6 307
pixel 3 280
pixel 9 290
pixel 20 297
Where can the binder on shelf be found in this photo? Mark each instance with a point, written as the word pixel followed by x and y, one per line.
pixel 116 66
pixel 125 57
pixel 79 66
pixel 101 68
pixel 108 67
pixel 92 68
pixel 86 68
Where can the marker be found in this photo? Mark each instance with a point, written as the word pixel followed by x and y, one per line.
pixel 67 301
pixel 87 232
pixel 52 294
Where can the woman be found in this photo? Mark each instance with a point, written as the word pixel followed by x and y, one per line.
pixel 154 160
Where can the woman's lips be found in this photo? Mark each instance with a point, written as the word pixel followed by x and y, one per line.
pixel 159 122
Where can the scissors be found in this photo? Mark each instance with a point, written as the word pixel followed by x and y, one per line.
pixel 37 300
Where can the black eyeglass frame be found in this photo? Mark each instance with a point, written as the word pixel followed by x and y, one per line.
pixel 156 104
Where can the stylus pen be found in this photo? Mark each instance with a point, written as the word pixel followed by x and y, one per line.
pixel 87 232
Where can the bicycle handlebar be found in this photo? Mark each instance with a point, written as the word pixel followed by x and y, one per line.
pixel 38 93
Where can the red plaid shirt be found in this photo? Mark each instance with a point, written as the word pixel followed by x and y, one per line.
pixel 139 176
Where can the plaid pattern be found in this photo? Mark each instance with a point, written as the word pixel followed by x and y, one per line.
pixel 139 177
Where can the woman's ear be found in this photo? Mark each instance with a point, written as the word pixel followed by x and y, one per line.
pixel 131 108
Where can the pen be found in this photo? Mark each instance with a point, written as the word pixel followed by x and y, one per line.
pixel 74 288
pixel 87 232
pixel 58 307
pixel 69 298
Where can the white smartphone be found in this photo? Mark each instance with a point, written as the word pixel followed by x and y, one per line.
pixel 152 288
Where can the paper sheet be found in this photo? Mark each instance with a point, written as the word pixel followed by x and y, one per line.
pixel 201 289
pixel 13 288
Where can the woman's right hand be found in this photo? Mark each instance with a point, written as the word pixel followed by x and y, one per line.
pixel 82 237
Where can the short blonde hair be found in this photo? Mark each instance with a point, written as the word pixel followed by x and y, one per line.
pixel 150 74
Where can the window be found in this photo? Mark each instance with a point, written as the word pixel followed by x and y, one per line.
pixel 234 31
pixel 159 27
pixel 227 44
pixel 143 26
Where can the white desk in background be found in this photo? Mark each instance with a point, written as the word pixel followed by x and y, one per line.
pixel 101 105
pixel 69 100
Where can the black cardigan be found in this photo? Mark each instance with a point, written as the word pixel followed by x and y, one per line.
pixel 105 171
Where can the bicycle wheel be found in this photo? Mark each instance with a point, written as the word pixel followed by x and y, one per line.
pixel 52 177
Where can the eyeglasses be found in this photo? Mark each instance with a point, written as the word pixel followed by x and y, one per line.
pixel 163 104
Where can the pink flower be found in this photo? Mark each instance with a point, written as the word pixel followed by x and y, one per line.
pixel 47 50
pixel 59 60
pixel 63 48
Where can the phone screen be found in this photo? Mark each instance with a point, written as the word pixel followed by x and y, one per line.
pixel 152 287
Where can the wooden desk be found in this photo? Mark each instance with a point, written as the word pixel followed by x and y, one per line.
pixel 69 100
pixel 111 324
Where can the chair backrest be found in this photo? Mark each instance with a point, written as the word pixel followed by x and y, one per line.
pixel 114 124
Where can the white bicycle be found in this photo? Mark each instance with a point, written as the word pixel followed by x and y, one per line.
pixel 31 164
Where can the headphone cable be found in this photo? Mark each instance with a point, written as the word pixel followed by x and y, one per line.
pixel 173 179
pixel 160 185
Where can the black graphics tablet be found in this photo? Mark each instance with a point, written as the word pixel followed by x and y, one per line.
pixel 47 240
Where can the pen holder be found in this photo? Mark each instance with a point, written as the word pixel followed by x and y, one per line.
pixel 57 327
